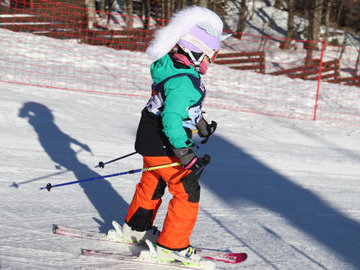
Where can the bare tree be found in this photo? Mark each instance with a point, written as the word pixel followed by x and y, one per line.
pixel 242 20
pixel 290 30
pixel 202 3
pixel 339 10
pixel 129 10
pixel 315 13
pixel 278 4
pixel 91 13
pixel 327 7
pixel 253 9
pixel 146 11
pixel 94 19
pixel 351 14
pixel 165 12
pixel 169 8
pixel 345 17
pixel 181 4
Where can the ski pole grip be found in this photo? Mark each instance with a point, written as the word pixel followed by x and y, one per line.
pixel 101 165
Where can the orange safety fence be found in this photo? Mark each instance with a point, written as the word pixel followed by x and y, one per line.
pixel 101 54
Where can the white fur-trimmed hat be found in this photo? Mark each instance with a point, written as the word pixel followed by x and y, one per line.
pixel 180 30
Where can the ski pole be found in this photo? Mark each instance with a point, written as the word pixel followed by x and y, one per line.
pixel 102 164
pixel 50 186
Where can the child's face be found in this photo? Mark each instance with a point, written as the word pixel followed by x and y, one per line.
pixel 207 60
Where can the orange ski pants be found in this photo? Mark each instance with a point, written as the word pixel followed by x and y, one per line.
pixel 183 207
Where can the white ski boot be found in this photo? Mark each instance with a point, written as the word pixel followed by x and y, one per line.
pixel 186 256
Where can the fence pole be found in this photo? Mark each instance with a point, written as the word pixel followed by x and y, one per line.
pixel 319 78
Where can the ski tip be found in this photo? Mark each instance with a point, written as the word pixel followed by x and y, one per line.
pixel 243 257
pixel 240 257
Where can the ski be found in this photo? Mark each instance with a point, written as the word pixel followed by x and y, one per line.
pixel 144 258
pixel 77 233
pixel 214 255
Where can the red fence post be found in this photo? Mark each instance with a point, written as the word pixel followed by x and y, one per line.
pixel 319 78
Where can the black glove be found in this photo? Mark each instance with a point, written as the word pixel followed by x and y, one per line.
pixel 189 160
pixel 205 129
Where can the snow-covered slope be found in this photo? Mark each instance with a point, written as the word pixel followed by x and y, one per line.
pixel 284 191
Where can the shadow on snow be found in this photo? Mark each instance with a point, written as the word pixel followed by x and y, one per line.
pixel 241 178
pixel 237 177
pixel 109 204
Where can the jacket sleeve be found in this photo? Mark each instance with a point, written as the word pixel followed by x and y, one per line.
pixel 180 95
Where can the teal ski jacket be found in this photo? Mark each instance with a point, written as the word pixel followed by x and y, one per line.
pixel 174 107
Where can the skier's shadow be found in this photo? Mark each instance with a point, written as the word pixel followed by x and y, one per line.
pixel 243 179
pixel 109 204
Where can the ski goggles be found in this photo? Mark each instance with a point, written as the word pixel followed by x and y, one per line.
pixel 202 46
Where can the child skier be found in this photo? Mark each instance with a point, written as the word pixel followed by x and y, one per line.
pixel 164 133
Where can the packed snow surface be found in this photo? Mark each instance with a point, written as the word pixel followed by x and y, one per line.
pixel 285 191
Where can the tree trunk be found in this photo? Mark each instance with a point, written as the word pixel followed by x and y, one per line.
pixel 242 20
pixel 253 9
pixel 278 4
pixel 202 3
pixel 317 19
pixel 345 37
pixel 146 12
pixel 168 5
pixel 102 8
pixel 315 11
pixel 339 11
pixel 327 19
pixel 307 45
pixel 91 13
pixel 290 30
pixel 163 12
pixel 181 4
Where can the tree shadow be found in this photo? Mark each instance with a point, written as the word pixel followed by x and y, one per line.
pixel 109 204
pixel 238 177
pixel 266 18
